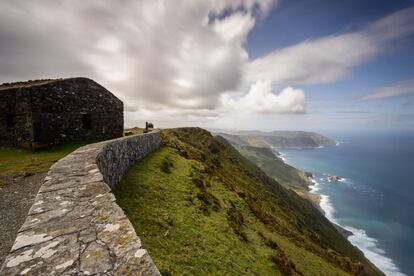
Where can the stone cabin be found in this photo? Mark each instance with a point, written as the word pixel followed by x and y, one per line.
pixel 39 113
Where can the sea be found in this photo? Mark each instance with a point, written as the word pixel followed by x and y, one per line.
pixel 375 197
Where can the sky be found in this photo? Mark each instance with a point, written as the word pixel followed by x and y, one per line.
pixel 316 65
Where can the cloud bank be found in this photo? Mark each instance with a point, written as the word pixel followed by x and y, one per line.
pixel 155 55
pixel 183 59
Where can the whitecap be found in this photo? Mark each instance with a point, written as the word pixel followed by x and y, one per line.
pixel 282 156
pixel 315 187
pixel 368 245
pixel 376 255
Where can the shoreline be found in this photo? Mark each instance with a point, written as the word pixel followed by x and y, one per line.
pixel 316 198
pixel 312 193
pixel 357 237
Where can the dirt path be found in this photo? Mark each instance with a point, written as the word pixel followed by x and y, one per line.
pixel 16 198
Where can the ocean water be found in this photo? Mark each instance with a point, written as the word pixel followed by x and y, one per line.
pixel 375 198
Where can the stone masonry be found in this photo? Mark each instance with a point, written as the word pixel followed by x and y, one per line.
pixel 39 113
pixel 75 226
pixel 117 157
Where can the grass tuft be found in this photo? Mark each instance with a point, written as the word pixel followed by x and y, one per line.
pixel 166 165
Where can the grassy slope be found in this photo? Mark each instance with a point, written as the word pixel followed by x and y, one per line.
pixel 201 208
pixel 283 173
pixel 13 161
pixel 274 167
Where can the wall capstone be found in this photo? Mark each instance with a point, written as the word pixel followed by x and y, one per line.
pixel 75 226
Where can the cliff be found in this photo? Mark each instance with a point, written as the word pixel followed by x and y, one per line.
pixel 200 207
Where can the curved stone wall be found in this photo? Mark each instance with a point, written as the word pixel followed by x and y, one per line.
pixel 75 225
pixel 118 155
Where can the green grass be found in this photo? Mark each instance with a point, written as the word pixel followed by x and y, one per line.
pixel 189 235
pixel 200 208
pixel 283 173
pixel 274 167
pixel 133 131
pixel 17 160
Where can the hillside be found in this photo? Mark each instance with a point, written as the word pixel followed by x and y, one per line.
pixel 201 208
pixel 286 175
pixel 273 166
pixel 278 139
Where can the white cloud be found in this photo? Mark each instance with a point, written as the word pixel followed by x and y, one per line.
pixel 154 54
pixel 261 100
pixel 234 28
pixel 312 62
pixel 391 27
pixel 330 58
pixel 179 61
pixel 398 89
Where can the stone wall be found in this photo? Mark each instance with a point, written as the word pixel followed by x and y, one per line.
pixel 75 226
pixel 118 156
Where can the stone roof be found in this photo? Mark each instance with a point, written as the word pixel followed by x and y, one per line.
pixel 29 83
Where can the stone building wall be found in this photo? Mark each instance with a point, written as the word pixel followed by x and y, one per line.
pixel 16 127
pixel 75 226
pixel 60 110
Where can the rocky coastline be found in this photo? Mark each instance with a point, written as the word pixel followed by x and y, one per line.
pixel 315 198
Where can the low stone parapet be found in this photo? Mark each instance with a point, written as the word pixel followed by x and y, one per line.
pixel 75 226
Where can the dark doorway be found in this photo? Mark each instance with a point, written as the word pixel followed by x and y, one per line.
pixel 10 122
pixel 86 121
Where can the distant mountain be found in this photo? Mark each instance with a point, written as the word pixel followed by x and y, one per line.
pixel 278 139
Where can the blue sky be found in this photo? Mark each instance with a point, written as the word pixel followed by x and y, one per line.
pixel 231 64
pixel 292 22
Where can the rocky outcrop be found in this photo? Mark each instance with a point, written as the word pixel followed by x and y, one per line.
pixel 75 225
pixel 309 174
pixel 333 178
